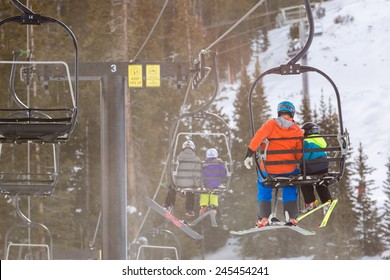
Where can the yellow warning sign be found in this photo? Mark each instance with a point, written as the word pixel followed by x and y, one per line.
pixel 135 75
pixel 153 78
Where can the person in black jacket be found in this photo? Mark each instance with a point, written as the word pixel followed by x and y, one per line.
pixel 314 141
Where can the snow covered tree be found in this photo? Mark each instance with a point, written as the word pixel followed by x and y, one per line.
pixel 369 222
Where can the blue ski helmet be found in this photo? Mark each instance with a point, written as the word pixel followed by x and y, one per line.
pixel 286 106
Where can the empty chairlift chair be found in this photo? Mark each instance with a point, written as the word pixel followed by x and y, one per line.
pixel 42 104
pixel 31 170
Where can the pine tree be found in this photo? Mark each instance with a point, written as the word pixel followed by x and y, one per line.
pixel 369 223
pixel 184 32
pixel 244 184
pixel 327 118
pixel 386 210
pixel 305 113
pixel 244 179
pixel 340 228
pixel 259 99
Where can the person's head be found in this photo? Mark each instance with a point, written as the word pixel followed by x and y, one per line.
pixel 310 128
pixel 188 144
pixel 211 153
pixel 286 108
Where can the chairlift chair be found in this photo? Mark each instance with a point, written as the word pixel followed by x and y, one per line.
pixel 31 170
pixel 156 243
pixel 226 158
pixel 336 158
pixel 27 249
pixel 33 122
pixel 44 125
pixel 37 238
pixel 203 140
pixel 336 153
pixel 294 48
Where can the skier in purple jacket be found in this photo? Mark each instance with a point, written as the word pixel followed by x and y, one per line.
pixel 214 174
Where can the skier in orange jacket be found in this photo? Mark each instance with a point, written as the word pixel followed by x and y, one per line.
pixel 281 127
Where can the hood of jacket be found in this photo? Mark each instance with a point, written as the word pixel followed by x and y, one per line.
pixel 284 123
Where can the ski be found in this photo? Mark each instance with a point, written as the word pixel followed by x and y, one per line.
pixel 312 211
pixel 212 214
pixel 328 213
pixel 180 224
pixel 274 226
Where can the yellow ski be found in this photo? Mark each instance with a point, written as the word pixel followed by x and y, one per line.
pixel 313 210
pixel 327 215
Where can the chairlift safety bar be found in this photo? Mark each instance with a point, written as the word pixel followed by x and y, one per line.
pixel 27 245
pixel 49 62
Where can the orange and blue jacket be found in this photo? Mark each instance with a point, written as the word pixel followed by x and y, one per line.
pixel 279 128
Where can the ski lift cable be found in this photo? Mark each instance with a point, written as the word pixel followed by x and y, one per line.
pixel 235 25
pixel 22 7
pixel 198 64
pixel 164 36
pixel 151 31
pixel 235 48
pixel 244 44
pixel 253 17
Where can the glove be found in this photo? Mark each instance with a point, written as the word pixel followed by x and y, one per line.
pixel 248 162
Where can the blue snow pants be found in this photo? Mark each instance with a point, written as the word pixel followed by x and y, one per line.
pixel 265 193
